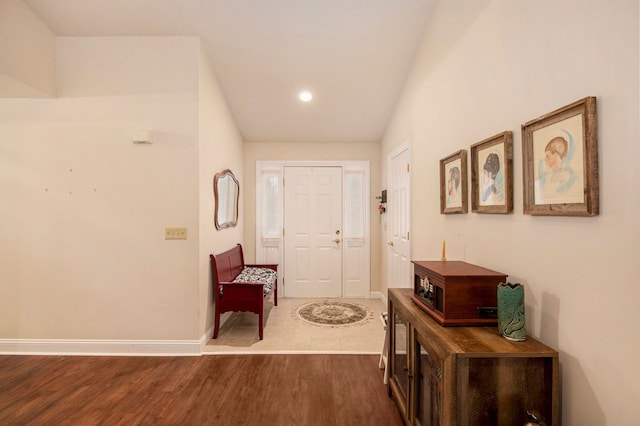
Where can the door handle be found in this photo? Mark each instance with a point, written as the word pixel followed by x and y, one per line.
pixel 337 241
pixel 390 243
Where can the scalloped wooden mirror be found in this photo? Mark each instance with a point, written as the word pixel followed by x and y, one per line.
pixel 226 190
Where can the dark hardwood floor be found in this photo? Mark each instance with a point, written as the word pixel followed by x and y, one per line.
pixel 205 390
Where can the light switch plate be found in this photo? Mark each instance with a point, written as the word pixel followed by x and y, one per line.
pixel 175 233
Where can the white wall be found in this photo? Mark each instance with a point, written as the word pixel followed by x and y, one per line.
pixel 84 210
pixel 27 53
pixel 489 66
pixel 221 148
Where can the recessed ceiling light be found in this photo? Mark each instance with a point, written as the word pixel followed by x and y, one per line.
pixel 305 96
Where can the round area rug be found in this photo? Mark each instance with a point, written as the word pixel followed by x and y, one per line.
pixel 333 313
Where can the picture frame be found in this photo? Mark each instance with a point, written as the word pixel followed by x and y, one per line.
pixel 492 174
pixel 560 162
pixel 453 183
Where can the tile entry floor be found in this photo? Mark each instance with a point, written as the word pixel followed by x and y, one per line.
pixel 284 332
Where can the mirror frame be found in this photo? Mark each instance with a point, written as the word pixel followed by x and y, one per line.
pixel 222 202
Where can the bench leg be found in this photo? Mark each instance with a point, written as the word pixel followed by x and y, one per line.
pixel 260 327
pixel 216 322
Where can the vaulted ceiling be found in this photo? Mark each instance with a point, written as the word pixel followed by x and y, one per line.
pixel 353 55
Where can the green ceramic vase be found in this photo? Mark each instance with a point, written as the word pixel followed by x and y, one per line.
pixel 511 323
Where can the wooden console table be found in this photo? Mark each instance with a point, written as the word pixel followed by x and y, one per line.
pixel 466 375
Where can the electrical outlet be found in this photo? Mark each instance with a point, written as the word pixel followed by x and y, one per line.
pixel 175 233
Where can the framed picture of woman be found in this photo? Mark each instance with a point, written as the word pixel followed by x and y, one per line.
pixel 453 183
pixel 560 162
pixel 492 174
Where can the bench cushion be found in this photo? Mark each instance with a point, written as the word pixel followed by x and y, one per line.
pixel 257 275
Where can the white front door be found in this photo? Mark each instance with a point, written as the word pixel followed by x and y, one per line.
pixel 313 231
pixel 399 202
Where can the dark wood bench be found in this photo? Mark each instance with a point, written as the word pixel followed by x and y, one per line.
pixel 240 287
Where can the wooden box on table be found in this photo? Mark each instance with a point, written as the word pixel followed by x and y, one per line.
pixel 457 293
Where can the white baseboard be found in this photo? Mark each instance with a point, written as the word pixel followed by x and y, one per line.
pixel 208 335
pixel 381 296
pixel 100 347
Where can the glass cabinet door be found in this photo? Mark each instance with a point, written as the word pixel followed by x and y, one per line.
pixel 401 357
pixel 429 385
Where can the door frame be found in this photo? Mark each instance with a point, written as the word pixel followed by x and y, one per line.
pixel 356 252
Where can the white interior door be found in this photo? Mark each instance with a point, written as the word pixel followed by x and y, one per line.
pixel 313 231
pixel 399 203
